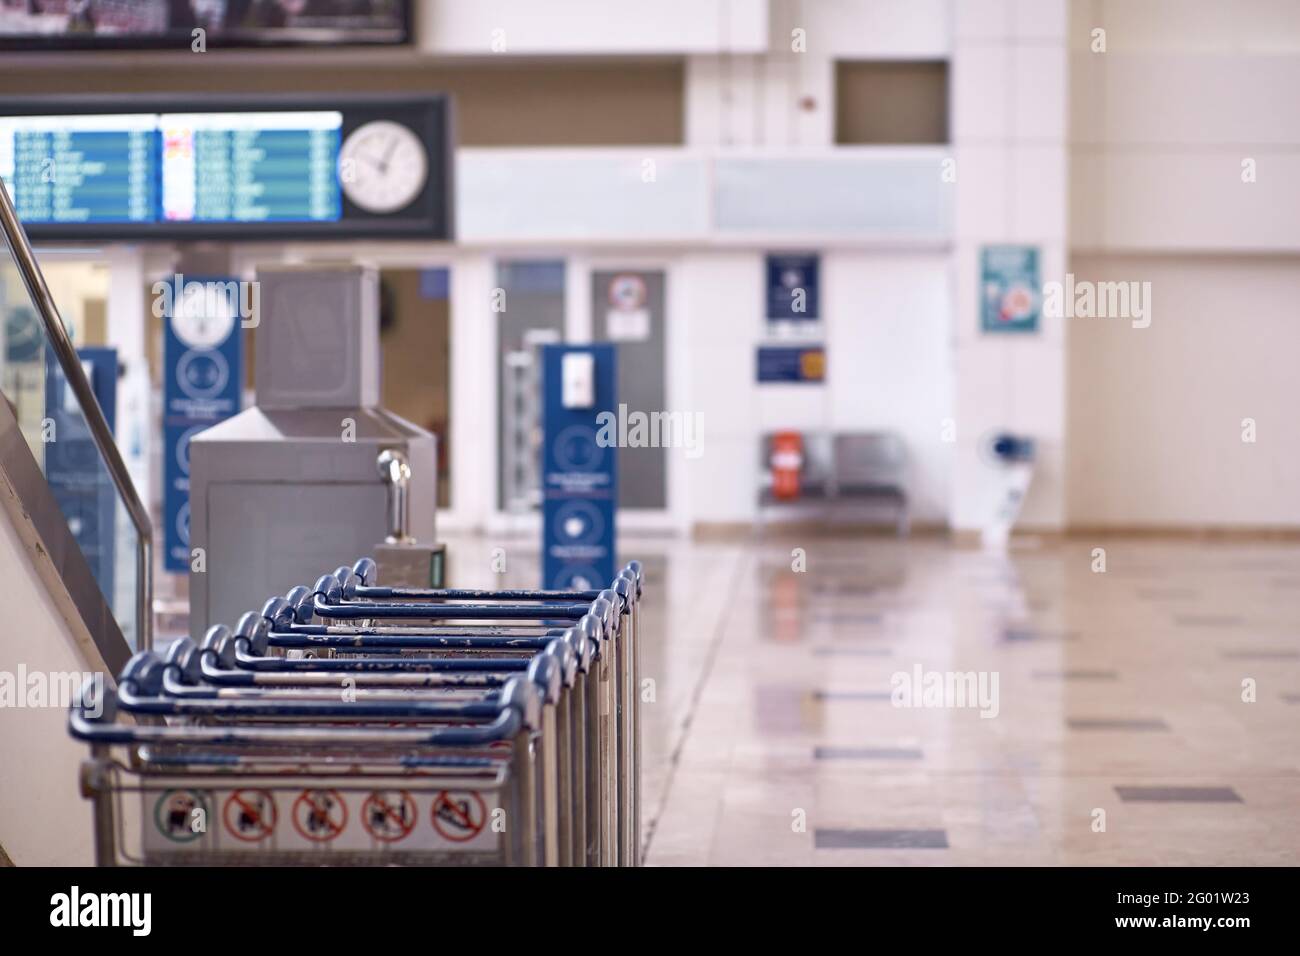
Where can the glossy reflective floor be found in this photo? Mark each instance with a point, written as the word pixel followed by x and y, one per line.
pixel 1147 713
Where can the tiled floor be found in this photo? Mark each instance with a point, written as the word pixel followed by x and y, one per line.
pixel 1121 735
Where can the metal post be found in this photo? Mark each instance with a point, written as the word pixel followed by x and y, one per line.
pixel 624 791
pixel 396 473
pixel 578 747
pixel 527 774
pixel 595 787
pixel 550 779
pixel 564 768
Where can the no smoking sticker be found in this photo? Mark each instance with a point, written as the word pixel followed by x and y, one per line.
pixel 250 815
pixel 320 815
pixel 459 815
pixel 389 815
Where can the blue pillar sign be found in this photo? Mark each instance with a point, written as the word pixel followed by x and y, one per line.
pixel 795 365
pixel 203 370
pixel 1011 298
pixel 793 289
pixel 579 466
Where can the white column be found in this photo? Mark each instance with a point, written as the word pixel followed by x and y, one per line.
pixel 1009 112
pixel 474 413
pixel 127 320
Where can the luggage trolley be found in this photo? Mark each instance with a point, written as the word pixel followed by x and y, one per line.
pixel 265 786
pixel 617 670
pixel 291 628
pixel 227 664
pixel 167 687
pixel 356 587
pixel 437 713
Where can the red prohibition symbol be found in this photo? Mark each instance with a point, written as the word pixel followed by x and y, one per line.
pixel 459 815
pixel 250 815
pixel 320 815
pixel 389 815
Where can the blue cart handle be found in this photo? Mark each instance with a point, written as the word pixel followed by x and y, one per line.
pixel 360 582
pixel 93 720
pixel 326 601
pixel 261 633
pixel 225 658
pixel 216 665
pixel 141 687
pixel 322 606
pixel 554 666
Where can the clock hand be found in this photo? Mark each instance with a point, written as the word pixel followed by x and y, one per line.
pixel 371 161
pixel 388 154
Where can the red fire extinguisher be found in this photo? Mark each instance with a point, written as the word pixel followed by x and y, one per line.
pixel 786 462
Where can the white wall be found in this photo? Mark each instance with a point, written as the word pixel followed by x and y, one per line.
pixel 43 819
pixel 1009 115
pixel 1163 119
pixel 778 97
pixel 722 301
pixel 479 27
pixel 889 367
pixel 890 360
pixel 1156 414
pixel 1160 125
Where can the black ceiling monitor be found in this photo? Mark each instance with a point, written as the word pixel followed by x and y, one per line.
pixel 170 24
pixel 292 167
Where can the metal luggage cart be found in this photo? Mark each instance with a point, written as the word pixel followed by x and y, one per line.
pixel 604 619
pixel 215 671
pixel 173 687
pixel 281 792
pixel 357 594
pixel 224 726
pixel 235 661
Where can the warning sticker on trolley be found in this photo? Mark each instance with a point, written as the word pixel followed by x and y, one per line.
pixel 250 815
pixel 320 816
pixel 389 815
pixel 393 819
pixel 461 819
pixel 176 820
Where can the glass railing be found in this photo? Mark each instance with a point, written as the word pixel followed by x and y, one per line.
pixel 51 403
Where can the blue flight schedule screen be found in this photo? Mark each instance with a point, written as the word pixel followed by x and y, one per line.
pixel 250 167
pixel 104 172
pixel 173 168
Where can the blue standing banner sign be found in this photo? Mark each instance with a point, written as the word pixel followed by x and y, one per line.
pixel 579 466
pixel 203 369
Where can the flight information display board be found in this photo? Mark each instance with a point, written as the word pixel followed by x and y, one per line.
pixel 366 168
pixel 250 167
pixel 81 169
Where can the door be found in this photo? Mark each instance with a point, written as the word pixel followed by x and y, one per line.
pixel 627 309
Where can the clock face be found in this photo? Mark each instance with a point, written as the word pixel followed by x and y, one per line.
pixel 203 320
pixel 383 166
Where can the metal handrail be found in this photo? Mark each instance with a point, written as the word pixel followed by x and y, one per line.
pixel 39 292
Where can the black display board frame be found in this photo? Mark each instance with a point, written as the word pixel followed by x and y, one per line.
pixel 181 38
pixel 431 215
